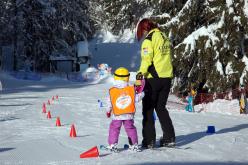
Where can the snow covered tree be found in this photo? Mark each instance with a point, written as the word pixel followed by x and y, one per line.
pixel 116 15
pixel 7 10
pixel 208 37
pixel 42 27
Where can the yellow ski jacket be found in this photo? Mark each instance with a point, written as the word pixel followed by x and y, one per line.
pixel 156 56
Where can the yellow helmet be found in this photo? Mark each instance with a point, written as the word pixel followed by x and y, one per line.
pixel 121 74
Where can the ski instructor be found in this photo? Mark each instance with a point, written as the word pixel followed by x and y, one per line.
pixel 156 68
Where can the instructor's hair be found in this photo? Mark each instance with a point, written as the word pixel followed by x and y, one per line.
pixel 145 25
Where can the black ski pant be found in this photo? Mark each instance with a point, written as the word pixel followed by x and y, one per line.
pixel 156 95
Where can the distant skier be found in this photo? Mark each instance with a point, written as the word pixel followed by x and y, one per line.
pixel 243 102
pixel 190 105
pixel 27 65
pixel 1 86
pixel 122 98
pixel 104 69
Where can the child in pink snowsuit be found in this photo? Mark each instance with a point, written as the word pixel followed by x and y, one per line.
pixel 122 99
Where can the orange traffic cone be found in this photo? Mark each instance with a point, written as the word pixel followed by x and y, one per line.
pixel 58 124
pixel 49 115
pixel 44 105
pixel 91 153
pixel 73 131
pixel 48 102
pixel 44 109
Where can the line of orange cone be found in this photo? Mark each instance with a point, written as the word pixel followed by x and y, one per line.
pixel 93 152
pixel 73 131
pixel 49 115
pixel 58 124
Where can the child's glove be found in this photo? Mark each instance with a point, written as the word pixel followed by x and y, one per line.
pixel 108 114
pixel 139 87
pixel 138 83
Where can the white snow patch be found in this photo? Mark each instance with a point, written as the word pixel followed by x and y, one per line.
pixel 219 67
pixel 245 60
pixel 229 4
pixel 127 36
pixel 220 106
pixel 229 69
pixel 237 19
pixel 246 8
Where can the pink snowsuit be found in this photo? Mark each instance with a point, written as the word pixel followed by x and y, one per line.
pixel 125 119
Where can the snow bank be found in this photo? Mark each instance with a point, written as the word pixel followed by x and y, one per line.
pixel 220 106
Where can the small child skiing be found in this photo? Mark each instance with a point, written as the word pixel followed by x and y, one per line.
pixel 190 106
pixel 122 98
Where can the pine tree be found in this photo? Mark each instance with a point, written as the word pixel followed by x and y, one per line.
pixel 40 28
pixel 213 59
pixel 7 11
pixel 117 15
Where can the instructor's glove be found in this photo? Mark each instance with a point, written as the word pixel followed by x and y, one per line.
pixel 139 76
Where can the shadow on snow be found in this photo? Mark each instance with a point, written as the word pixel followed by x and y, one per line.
pixel 8 119
pixel 5 149
pixel 186 139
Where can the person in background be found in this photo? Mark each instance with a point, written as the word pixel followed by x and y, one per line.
pixel 121 103
pixel 190 106
pixel 104 69
pixel 243 102
pixel 193 92
pixel 1 86
pixel 27 65
pixel 156 68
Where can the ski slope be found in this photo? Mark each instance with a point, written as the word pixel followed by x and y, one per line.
pixel 27 137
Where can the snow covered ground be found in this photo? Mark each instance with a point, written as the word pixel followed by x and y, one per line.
pixel 28 137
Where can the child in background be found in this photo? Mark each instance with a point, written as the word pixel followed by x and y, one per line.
pixel 243 102
pixel 189 107
pixel 122 98
pixel 104 69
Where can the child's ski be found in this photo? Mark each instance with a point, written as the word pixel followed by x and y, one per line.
pixel 104 147
pixel 132 148
pixel 117 150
